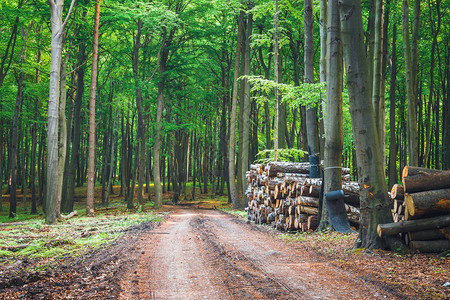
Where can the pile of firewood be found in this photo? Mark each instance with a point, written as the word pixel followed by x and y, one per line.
pixel 282 194
pixel 421 210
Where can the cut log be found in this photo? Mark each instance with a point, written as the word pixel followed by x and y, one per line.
pixel 309 210
pixel 417 179
pixel 271 184
pixel 293 177
pixel 428 202
pixel 397 192
pixel 302 218
pixel 437 246
pixel 399 207
pixel 308 201
pixel 430 234
pixel 313 222
pixel 413 225
pixel 272 168
pixel 351 190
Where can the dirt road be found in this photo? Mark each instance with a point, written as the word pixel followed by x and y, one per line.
pixel 206 254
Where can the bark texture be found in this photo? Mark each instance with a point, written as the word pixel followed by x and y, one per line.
pixel 334 139
pixel 93 89
pixel 375 205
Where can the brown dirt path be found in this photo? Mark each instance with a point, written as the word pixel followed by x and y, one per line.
pixel 206 254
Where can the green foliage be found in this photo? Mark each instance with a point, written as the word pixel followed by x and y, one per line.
pixel 239 213
pixel 310 94
pixel 268 155
pixel 78 235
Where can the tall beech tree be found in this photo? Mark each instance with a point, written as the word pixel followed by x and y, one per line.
pixel 234 195
pixel 92 95
pixel 52 187
pixel 375 205
pixel 246 105
pixel 410 55
pixel 334 138
pixel 312 126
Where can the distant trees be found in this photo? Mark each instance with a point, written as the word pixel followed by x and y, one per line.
pixel 172 106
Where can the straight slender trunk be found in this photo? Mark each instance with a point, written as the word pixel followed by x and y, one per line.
pixel 446 113
pixel 246 109
pixel 235 198
pixel 393 177
pixel 334 139
pixel 311 112
pixel 52 183
pixel 377 102
pixel 266 68
pixel 68 200
pixel 13 148
pixel 62 134
pixel 413 151
pixel 13 160
pixel 157 145
pixel 112 156
pixel 34 130
pixel 277 80
pixel 91 167
pixel 25 148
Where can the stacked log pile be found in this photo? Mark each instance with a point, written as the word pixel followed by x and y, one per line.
pixel 421 210
pixel 282 194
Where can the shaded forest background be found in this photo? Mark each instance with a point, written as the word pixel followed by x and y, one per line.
pixel 165 81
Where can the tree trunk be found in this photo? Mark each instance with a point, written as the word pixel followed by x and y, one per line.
pixel 157 145
pixel 375 205
pixel 68 199
pixel 91 167
pixel 311 112
pixel 377 102
pixel 334 139
pixel 413 144
pixel 277 80
pixel 34 130
pixel 446 114
pixel 235 198
pixel 62 133
pixel 323 68
pixel 393 177
pixel 112 157
pixel 246 108
pixel 14 148
pixel 140 130
pixel 52 192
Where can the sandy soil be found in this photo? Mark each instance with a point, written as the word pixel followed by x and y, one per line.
pixel 206 254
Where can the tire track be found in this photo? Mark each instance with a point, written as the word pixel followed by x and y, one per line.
pixel 241 274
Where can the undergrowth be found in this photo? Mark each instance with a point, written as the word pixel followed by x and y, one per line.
pixel 34 239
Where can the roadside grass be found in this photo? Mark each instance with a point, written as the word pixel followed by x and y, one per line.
pixel 236 212
pixel 36 240
pixel 28 236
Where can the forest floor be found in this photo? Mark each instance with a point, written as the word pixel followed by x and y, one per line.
pixel 195 251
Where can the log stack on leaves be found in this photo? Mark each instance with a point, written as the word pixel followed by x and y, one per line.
pixel 282 194
pixel 421 210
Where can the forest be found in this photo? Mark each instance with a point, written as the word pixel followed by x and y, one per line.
pixel 175 94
